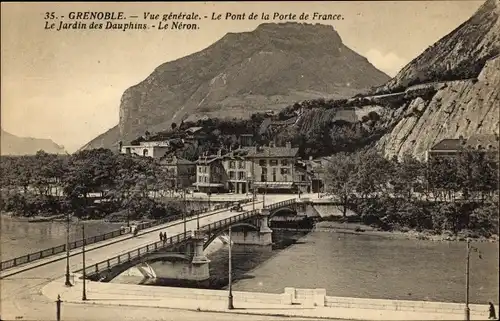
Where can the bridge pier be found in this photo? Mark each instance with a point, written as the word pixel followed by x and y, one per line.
pixel 262 237
pixel 200 263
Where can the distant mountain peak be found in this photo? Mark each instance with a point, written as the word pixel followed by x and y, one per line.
pixel 14 145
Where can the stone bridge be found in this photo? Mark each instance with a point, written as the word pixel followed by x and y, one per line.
pixel 186 252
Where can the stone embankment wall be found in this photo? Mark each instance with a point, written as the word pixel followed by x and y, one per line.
pixel 291 296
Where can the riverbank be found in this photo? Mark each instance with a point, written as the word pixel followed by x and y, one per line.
pixel 362 229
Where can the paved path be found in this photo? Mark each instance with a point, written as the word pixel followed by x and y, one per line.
pixel 108 294
pixel 20 288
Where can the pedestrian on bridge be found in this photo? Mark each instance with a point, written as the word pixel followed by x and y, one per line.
pixel 164 237
pixel 161 236
pixel 493 315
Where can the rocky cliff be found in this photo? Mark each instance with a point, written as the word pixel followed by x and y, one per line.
pixel 460 108
pixel 450 90
pixel 242 73
pixel 460 54
pixel 14 145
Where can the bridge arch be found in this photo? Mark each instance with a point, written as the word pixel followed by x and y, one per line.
pixel 282 209
pixel 156 256
pixel 217 233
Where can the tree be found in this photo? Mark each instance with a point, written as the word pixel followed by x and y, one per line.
pixel 373 174
pixel 174 126
pixel 89 171
pixel 341 177
pixel 408 174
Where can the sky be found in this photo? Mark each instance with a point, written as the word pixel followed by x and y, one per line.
pixel 66 85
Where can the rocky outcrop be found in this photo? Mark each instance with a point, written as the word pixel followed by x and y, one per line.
pixel 460 54
pixel 460 108
pixel 14 145
pixel 266 69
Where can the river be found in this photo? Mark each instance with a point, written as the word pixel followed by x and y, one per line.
pixel 20 237
pixel 344 264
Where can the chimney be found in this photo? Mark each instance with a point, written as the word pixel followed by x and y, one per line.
pixel 310 158
pixel 219 153
pixel 288 145
pixel 174 159
pixel 271 144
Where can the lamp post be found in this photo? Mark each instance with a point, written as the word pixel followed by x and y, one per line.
pixel 264 196
pixel 67 283
pixel 184 212
pixel 230 305
pixel 84 292
pixel 467 310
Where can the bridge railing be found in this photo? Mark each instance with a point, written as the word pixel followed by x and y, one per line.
pixel 280 204
pixel 102 237
pixel 136 253
pixel 227 221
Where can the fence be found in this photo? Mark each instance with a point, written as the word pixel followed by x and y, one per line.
pixel 102 237
pixel 134 254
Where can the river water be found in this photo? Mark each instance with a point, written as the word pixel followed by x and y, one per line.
pixel 345 265
pixel 20 237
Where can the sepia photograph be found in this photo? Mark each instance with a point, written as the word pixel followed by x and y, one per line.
pixel 273 160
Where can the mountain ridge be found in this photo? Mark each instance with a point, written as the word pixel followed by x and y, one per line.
pixel 17 146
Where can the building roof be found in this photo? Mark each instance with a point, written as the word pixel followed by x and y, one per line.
pixel 265 151
pixel 485 141
pixel 176 161
pixel 193 130
pixel 207 159
pixel 448 144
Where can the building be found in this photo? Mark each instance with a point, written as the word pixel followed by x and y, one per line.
pixel 277 169
pixel 156 149
pixel 453 147
pixel 210 174
pixel 182 172
pixel 238 171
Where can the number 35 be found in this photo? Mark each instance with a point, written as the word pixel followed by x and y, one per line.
pixel 50 15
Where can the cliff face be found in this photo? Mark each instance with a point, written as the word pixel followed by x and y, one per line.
pixel 266 69
pixel 460 53
pixel 14 145
pixel 460 108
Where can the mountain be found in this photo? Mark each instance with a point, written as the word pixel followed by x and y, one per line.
pixel 266 69
pixel 14 145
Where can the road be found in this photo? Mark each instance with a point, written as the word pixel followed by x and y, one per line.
pixel 21 296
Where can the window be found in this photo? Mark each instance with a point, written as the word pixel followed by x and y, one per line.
pixel 285 171
pixel 274 174
pixel 284 162
pixel 262 163
pixel 205 179
pixel 242 164
pixel 303 178
pixel 200 178
pixel 263 176
pixel 205 169
pixel 232 175
pixel 232 164
pixel 145 152
pixel 127 150
pixel 285 178
pixel 200 169
pixel 273 162
pixel 241 176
